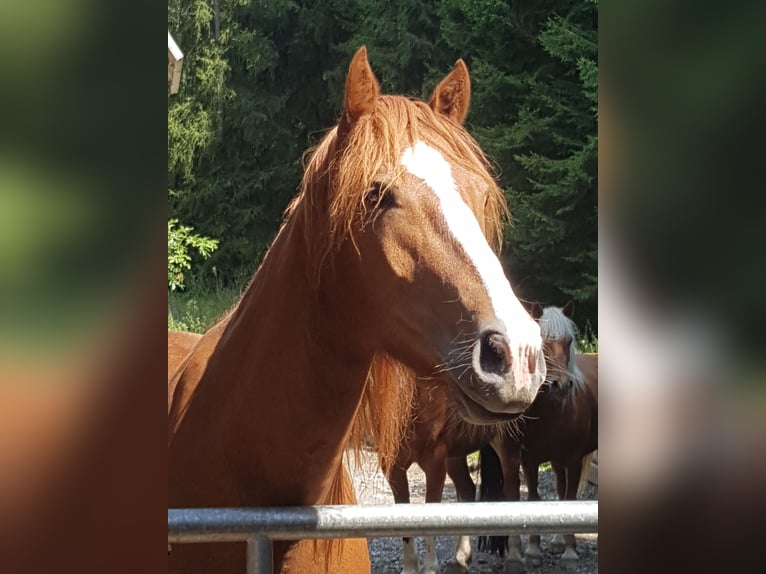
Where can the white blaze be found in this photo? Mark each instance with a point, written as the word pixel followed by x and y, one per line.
pixel 429 165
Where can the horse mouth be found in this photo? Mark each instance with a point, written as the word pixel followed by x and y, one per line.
pixel 475 413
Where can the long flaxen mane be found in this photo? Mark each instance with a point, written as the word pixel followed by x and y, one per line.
pixel 339 173
pixel 555 326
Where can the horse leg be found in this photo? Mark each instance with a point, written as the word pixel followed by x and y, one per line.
pixel 569 558
pixel 509 453
pixel 558 543
pixel 397 479
pixel 436 473
pixel 457 469
pixel 534 554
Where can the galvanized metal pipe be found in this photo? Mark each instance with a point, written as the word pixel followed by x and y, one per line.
pixel 259 555
pixel 366 521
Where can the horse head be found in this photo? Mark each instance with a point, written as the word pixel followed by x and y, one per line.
pixel 398 204
pixel 558 331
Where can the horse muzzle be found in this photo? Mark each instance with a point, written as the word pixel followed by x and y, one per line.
pixel 505 377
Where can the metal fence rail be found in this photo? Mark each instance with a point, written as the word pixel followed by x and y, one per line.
pixel 259 526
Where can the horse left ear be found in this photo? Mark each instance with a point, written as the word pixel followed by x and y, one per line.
pixel 453 94
pixel 568 309
pixel 361 88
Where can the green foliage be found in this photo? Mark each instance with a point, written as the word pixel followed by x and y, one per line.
pixel 181 241
pixel 255 96
pixel 198 308
pixel 195 114
pixel 587 342
pixel 190 321
pixel 556 239
pixel 535 78
pixel 401 42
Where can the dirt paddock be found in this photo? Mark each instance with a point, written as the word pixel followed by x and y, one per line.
pixel 386 553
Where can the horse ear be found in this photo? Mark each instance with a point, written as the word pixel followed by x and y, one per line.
pixel 536 311
pixel 453 94
pixel 568 309
pixel 361 88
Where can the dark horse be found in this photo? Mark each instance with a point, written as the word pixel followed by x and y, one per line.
pixel 561 426
pixel 438 440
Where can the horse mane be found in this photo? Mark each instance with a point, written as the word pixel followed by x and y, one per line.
pixel 382 416
pixel 342 167
pixel 384 410
pixel 554 325
pixel 341 489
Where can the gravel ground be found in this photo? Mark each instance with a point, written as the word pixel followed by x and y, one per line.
pixel 386 553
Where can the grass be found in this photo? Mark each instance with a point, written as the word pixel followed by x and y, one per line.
pixel 196 310
pixel 587 342
pixel 473 462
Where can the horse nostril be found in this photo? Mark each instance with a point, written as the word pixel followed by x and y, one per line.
pixel 531 363
pixel 495 354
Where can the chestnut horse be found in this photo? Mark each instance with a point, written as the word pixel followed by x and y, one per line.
pixel 382 253
pixel 561 426
pixel 438 440
pixel 180 344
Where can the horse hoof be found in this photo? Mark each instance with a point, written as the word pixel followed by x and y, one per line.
pixel 513 567
pixel 455 567
pixel 430 570
pixel 533 555
pixel 569 559
pixel 534 560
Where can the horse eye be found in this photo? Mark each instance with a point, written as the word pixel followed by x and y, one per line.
pixel 379 196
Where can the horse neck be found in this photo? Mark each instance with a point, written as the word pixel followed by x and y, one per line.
pixel 589 378
pixel 283 382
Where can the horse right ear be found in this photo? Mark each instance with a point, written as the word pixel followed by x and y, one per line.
pixel 536 311
pixel 453 94
pixel 361 88
pixel 568 309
